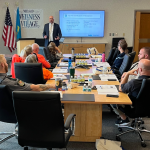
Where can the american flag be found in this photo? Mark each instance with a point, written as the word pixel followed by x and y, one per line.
pixel 8 33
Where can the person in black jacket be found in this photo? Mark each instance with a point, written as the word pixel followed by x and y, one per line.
pixel 52 32
pixel 122 46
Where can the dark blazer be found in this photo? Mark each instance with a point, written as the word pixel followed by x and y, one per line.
pixel 56 32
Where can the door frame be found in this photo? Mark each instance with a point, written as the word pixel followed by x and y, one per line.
pixel 136 47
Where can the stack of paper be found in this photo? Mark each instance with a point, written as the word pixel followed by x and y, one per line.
pixel 63 64
pixel 103 64
pixel 59 76
pixel 106 77
pixel 107 89
pixel 60 70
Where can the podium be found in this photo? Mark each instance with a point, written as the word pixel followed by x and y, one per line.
pixel 22 42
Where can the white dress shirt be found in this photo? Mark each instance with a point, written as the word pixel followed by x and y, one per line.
pixel 51 28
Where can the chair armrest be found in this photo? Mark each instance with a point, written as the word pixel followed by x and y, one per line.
pixel 68 121
pixel 115 71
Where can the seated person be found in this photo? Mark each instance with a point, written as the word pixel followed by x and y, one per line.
pixel 144 53
pixel 16 58
pixel 46 73
pixel 132 87
pixel 41 58
pixel 16 84
pixel 122 46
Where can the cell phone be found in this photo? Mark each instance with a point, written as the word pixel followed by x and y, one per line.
pixel 111 95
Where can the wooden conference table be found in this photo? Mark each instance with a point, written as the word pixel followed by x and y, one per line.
pixel 88 125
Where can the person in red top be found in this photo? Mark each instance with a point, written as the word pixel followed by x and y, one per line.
pixel 16 58
pixel 41 58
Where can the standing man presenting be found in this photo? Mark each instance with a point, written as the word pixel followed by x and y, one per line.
pixel 52 32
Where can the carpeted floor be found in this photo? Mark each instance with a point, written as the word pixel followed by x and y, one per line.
pixel 129 142
pixel 109 130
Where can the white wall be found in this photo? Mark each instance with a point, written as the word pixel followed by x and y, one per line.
pixel 119 17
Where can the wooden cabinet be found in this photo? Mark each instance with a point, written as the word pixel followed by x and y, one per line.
pixel 80 48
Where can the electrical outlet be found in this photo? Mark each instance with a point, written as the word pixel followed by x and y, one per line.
pixel 109 34
pixel 112 34
pixel 116 34
pixel 123 34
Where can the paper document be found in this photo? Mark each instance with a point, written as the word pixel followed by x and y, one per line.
pixel 105 77
pixel 107 89
pixel 102 64
pixel 60 70
pixel 63 64
pixel 59 76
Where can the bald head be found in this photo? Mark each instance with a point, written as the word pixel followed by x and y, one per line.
pixel 144 67
pixel 51 19
pixel 35 48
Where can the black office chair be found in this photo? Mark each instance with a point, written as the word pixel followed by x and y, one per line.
pixel 48 57
pixel 125 66
pixel 116 53
pixel 141 109
pixel 40 120
pixel 30 72
pixel 41 51
pixel 7 113
pixel 132 54
pixel 130 49
pixel 110 56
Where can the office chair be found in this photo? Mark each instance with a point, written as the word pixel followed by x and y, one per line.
pixel 125 66
pixel 30 72
pixel 132 54
pixel 41 51
pixel 130 49
pixel 48 57
pixel 7 113
pixel 116 53
pixel 40 120
pixel 110 56
pixel 141 109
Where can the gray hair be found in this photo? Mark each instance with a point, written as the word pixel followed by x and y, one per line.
pixel 31 59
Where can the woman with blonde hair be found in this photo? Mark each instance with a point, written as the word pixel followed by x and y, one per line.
pixel 16 58
pixel 33 59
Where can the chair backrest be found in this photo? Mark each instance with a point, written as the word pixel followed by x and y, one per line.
pixel 40 119
pixel 30 72
pixel 110 56
pixel 41 51
pixel 126 64
pixel 142 102
pixel 132 54
pixel 7 113
pixel 47 53
pixel 116 53
pixel 130 49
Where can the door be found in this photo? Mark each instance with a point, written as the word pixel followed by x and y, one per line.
pixel 142 32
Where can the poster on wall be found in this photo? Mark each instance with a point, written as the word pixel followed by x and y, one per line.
pixel 31 18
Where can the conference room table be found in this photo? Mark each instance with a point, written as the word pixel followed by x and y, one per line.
pixel 88 124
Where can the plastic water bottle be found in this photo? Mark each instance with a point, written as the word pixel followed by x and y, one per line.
pixel 103 57
pixel 89 87
pixel 69 63
pixel 90 80
pixel 84 87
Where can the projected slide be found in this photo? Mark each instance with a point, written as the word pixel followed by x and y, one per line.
pixel 82 23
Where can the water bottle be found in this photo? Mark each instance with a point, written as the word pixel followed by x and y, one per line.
pixel 103 57
pixel 69 63
pixel 89 87
pixel 90 79
pixel 72 51
pixel 84 87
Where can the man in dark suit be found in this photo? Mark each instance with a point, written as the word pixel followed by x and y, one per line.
pixel 52 32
